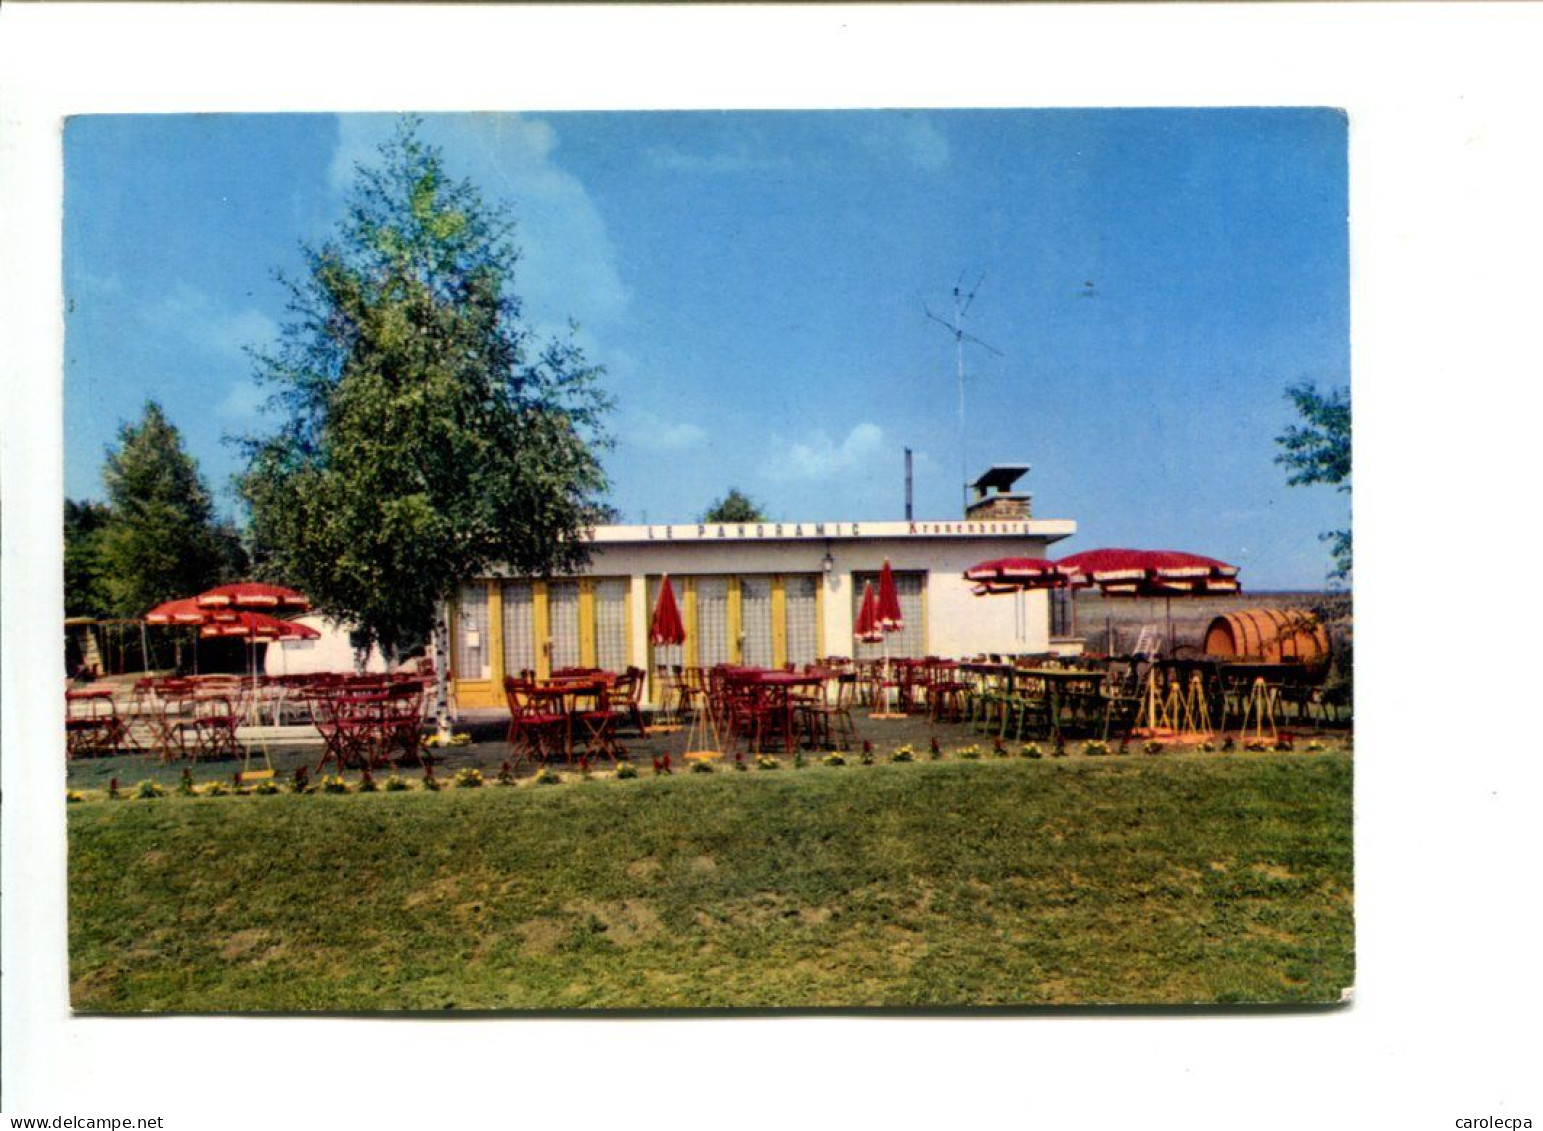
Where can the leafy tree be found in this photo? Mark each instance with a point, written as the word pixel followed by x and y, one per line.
pixel 85 578
pixel 160 538
pixel 1318 451
pixel 734 507
pixel 426 435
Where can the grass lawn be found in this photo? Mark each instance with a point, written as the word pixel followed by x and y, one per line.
pixel 1132 879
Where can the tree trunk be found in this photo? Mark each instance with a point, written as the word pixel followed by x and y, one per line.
pixel 442 671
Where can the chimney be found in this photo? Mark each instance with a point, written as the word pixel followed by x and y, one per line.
pixel 994 500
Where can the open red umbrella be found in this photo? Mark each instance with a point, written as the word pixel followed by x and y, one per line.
pixel 183 611
pixel 1151 573
pixel 1009 575
pixel 252 595
pixel 666 629
pixel 867 627
pixel 890 618
pixel 254 627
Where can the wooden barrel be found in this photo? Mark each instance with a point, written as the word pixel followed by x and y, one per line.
pixel 1270 636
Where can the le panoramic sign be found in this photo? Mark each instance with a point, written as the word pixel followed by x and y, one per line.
pixel 751 531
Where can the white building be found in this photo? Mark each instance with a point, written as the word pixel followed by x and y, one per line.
pixel 760 593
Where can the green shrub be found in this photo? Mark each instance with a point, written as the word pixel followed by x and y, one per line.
pixel 970 753
pixel 185 786
pixel 367 781
pixel 767 762
pixel 266 787
pixel 468 777
pixel 216 789
pixel 1152 748
pixel 148 789
pixel 548 776
pixel 334 783
pixel 1096 749
pixel 701 766
pixel 626 770
pixel 834 758
pixel 396 784
pixel 506 774
pixel 73 796
pixel 1032 750
pixel 904 753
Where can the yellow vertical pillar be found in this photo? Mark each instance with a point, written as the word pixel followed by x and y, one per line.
pixel 540 629
pixel 586 622
pixel 779 618
pixel 736 623
pixel 693 653
pixel 496 635
pixel 627 620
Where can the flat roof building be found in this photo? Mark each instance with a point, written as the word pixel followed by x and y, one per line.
pixel 762 594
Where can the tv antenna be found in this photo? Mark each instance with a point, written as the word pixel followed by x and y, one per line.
pixel 956 328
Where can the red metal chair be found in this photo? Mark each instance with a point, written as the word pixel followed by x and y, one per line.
pixel 539 724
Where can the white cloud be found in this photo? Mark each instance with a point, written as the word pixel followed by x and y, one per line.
pixel 651 433
pixel 568 264
pixel 191 314
pixel 243 402
pixel 818 457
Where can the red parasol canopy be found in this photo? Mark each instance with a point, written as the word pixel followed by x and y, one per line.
pixel 258 626
pixel 890 618
pixel 666 628
pixel 1006 575
pixel 252 595
pixel 1149 573
pixel 867 627
pixel 184 611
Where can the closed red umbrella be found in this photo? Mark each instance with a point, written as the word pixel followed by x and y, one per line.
pixel 867 627
pixel 253 595
pixel 890 618
pixel 666 629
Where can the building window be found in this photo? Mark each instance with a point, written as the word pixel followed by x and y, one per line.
pixel 755 621
pixel 519 628
pixel 910 641
pixel 712 621
pixel 1062 621
pixel 673 655
pixel 471 633
pixel 611 624
pixel 562 598
pixel 803 603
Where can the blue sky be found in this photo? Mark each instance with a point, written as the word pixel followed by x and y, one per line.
pixel 756 284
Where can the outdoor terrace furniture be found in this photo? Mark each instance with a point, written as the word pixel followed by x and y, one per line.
pixel 826 709
pixel 362 723
pixel 539 722
pixel 92 725
pixel 201 725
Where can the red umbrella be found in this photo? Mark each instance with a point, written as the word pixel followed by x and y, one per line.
pixel 890 618
pixel 666 628
pixel 251 626
pixel 867 627
pixel 184 611
pixel 1008 575
pixel 1149 573
pixel 252 595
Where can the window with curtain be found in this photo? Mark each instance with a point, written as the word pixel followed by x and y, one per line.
pixel 803 595
pixel 712 618
pixel 519 628
pixel 755 621
pixel 611 624
pixel 471 633
pixel 562 604
pixel 908 642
